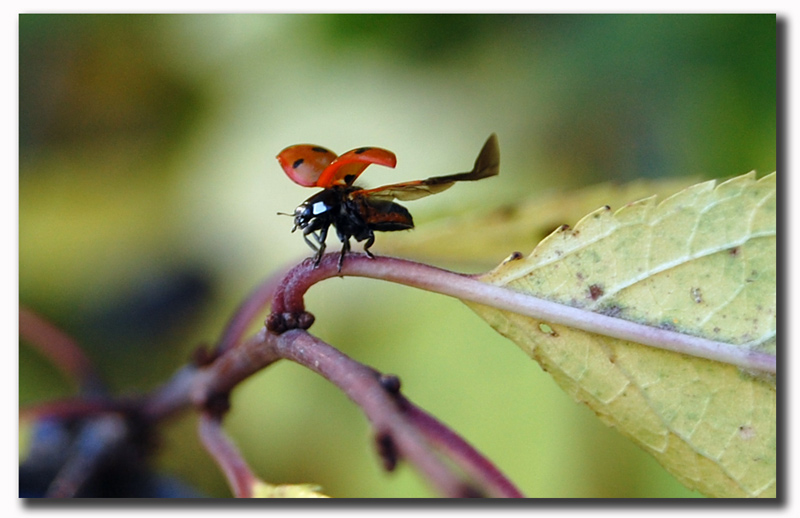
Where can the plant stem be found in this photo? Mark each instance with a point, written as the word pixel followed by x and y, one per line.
pixel 61 350
pixel 289 299
pixel 253 306
pixel 405 432
pixel 362 385
pixel 240 477
pixel 462 453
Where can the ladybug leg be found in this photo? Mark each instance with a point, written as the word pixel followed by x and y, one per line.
pixel 369 243
pixel 323 235
pixel 345 249
pixel 344 237
pixel 310 243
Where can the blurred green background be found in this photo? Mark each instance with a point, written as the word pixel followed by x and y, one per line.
pixel 148 191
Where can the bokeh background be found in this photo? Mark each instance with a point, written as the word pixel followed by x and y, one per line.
pixel 148 194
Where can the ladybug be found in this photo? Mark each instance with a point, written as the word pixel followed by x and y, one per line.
pixel 356 212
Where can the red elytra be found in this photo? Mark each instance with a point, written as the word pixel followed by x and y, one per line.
pixel 315 166
pixel 356 212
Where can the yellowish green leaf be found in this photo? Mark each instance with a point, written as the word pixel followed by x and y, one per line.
pixel 264 490
pixel 702 262
pixel 484 236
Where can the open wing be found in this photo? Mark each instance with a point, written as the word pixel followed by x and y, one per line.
pixel 315 166
pixel 304 163
pixel 487 164
pixel 346 168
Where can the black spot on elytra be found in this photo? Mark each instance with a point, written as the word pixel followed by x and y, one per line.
pixel 361 150
pixel 297 163
pixel 319 149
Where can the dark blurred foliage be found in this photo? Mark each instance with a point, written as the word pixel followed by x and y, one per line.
pixel 149 309
pixel 424 39
pixel 120 470
pixel 619 77
pixel 90 76
pixel 96 77
pixel 94 84
pixel 642 95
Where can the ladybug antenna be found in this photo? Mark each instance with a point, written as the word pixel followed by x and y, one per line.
pixel 287 214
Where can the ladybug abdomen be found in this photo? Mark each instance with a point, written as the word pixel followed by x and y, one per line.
pixel 385 216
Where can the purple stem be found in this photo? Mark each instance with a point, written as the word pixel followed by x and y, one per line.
pixel 362 385
pixel 79 407
pixel 253 307
pixel 462 453
pixel 289 300
pixel 398 434
pixel 62 351
pixel 240 477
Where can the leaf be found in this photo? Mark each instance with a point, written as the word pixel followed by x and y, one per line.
pixel 263 490
pixel 487 235
pixel 702 262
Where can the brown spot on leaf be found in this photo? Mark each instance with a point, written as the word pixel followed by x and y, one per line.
pixel 734 252
pixel 595 291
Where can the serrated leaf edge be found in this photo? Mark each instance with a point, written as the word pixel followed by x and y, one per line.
pixel 507 273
